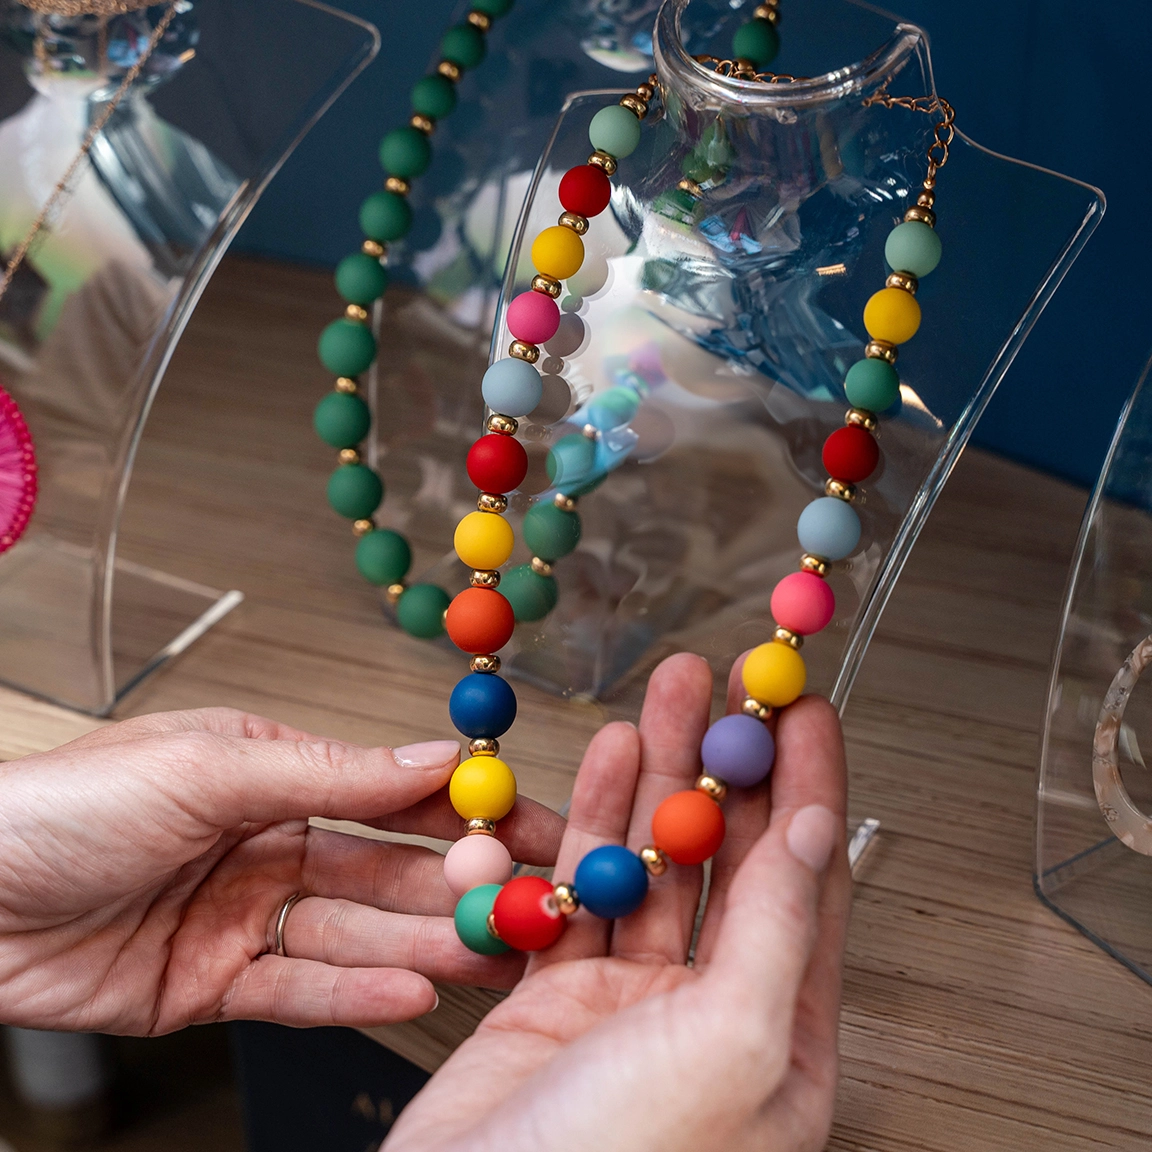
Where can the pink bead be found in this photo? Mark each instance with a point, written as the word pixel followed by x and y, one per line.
pixel 533 317
pixel 802 603
pixel 476 860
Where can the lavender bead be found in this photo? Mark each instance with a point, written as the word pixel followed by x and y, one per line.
pixel 739 750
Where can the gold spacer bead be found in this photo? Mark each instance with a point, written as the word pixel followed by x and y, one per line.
pixel 480 20
pixel 541 567
pixel 484 664
pixel 635 105
pixel 924 215
pixel 346 385
pixel 785 636
pixel 880 350
pixel 484 578
pixel 422 123
pixel 492 926
pixel 813 564
pixel 840 490
pixel 566 899
pixel 605 161
pixel 483 746
pixel 480 826
pixel 355 312
pixel 524 351
pixel 691 187
pixel 491 502
pixel 905 281
pixel 573 220
pixel 764 11
pixel 859 418
pixel 564 503
pixel 503 425
pixel 349 456
pixel 654 860
pixel 363 527
pixel 712 786
pixel 394 592
pixel 450 71
pixel 374 248
pixel 926 199
pixel 755 709
pixel 398 185
pixel 645 91
pixel 549 285
pixel 590 432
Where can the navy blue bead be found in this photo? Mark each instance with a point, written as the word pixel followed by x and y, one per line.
pixel 611 882
pixel 482 706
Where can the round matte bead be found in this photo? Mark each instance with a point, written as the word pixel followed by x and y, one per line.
pixel 420 610
pixel 463 45
pixel 615 130
pixel 361 278
pixel 892 314
pixel 531 595
pixel 474 861
pixel 757 41
pixel 482 706
pixel 346 348
pixel 341 420
pixel 774 674
pixel 434 96
pixel 688 827
pixel 512 387
pixel 558 251
pixel 913 247
pixel 611 882
pixel 482 788
pixel 525 914
pixel 471 919
pixel 533 317
pixel 612 408
pixel 872 385
pixel 497 463
pixel 385 217
pixel 803 603
pixel 480 621
pixel 355 491
pixel 405 152
pixel 570 461
pixel 550 532
pixel 851 454
pixel 493 8
pixel 829 528
pixel 739 750
pixel 586 190
pixel 483 540
pixel 383 557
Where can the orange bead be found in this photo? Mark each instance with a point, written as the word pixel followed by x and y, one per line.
pixel 479 621
pixel 688 827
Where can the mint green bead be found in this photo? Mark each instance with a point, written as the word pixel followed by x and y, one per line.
pixel 434 96
pixel 872 385
pixel 405 152
pixel 361 278
pixel 912 247
pixel 355 491
pixel 463 45
pixel 383 557
pixel 531 595
pixel 550 531
pixel 385 217
pixel 493 8
pixel 341 420
pixel 614 130
pixel 757 41
pixel 346 348
pixel 420 610
pixel 471 920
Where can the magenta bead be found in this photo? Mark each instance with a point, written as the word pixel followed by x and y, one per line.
pixel 476 860
pixel 803 603
pixel 533 317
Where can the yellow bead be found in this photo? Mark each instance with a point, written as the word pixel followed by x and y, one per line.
pixel 483 540
pixel 892 315
pixel 482 788
pixel 774 674
pixel 558 252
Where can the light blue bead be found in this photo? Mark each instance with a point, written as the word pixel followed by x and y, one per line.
pixel 612 408
pixel 512 387
pixel 614 130
pixel 912 247
pixel 829 528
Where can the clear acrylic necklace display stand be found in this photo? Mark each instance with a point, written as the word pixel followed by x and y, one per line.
pixel 92 320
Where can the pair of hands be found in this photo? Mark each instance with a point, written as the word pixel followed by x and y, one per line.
pixel 142 868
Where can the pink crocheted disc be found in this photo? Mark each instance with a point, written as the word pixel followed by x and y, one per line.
pixel 17 473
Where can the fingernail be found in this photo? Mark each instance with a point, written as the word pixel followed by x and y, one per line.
pixel 429 754
pixel 812 834
pixel 437 1004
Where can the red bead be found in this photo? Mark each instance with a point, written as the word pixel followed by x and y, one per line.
pixel 585 190
pixel 525 914
pixel 497 463
pixel 688 827
pixel 851 454
pixel 479 621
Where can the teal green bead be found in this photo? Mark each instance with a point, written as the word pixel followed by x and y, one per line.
pixel 493 8
pixel 355 491
pixel 471 920
pixel 385 217
pixel 757 41
pixel 346 348
pixel 383 557
pixel 531 595
pixel 550 531
pixel 570 461
pixel 872 385
pixel 434 97
pixel 912 247
pixel 612 408
pixel 341 420
pixel 615 130
pixel 405 152
pixel 420 610
pixel 463 45
pixel 361 278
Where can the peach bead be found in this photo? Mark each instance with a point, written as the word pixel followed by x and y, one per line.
pixel 803 603
pixel 533 317
pixel 475 860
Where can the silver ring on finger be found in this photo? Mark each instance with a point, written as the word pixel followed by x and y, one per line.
pixel 282 920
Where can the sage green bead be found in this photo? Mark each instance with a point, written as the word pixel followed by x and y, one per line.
pixel 341 420
pixel 346 348
pixel 550 531
pixel 614 130
pixel 471 920
pixel 355 491
pixel 420 610
pixel 463 45
pixel 434 96
pixel 531 595
pixel 385 217
pixel 405 152
pixel 757 41
pixel 361 278
pixel 493 8
pixel 383 557
pixel 872 385
pixel 912 247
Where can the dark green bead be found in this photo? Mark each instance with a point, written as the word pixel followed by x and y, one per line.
pixel 434 96
pixel 531 595
pixel 355 491
pixel 550 531
pixel 756 41
pixel 385 217
pixel 405 152
pixel 420 610
pixel 361 278
pixel 463 45
pixel 493 8
pixel 341 420
pixel 346 348
pixel 383 557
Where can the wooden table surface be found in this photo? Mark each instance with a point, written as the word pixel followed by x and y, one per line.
pixel 973 1018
